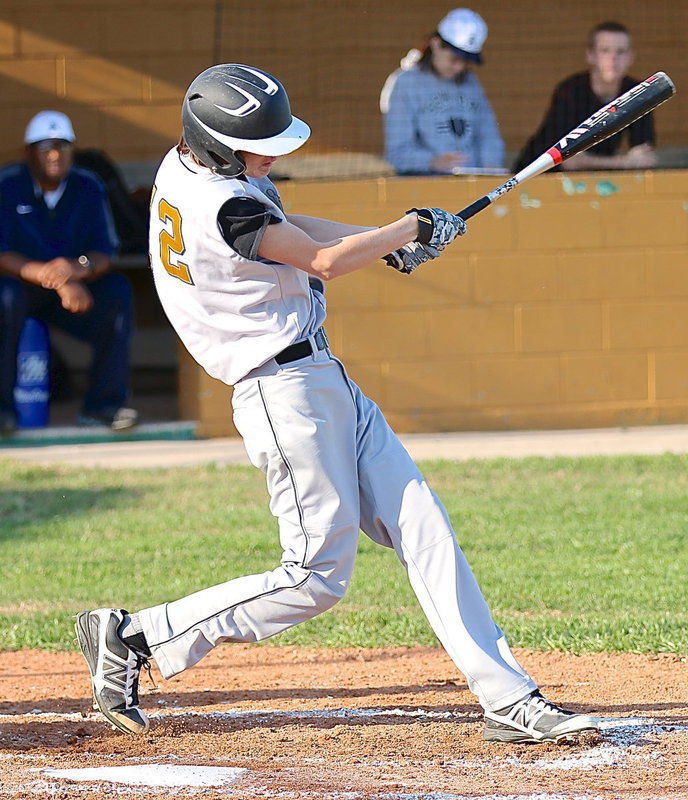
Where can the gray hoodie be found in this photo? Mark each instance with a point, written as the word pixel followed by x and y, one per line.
pixel 426 115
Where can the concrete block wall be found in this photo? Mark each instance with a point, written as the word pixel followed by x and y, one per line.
pixel 566 305
pixel 120 69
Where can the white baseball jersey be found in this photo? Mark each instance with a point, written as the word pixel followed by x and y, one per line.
pixel 231 312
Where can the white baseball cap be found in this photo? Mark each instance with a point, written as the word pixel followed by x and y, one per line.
pixel 465 31
pixel 49 125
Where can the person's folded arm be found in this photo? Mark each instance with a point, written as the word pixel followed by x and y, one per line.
pixel 56 272
pixel 20 266
pixel 642 156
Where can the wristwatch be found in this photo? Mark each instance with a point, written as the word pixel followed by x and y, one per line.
pixel 85 262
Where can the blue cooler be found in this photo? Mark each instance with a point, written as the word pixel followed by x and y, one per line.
pixel 32 389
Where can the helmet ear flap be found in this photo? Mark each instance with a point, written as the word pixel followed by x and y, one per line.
pixel 205 147
pixel 232 168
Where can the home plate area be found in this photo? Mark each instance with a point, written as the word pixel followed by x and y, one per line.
pixel 392 724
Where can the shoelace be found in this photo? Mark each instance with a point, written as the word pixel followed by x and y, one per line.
pixel 145 664
pixel 132 679
pixel 536 707
pixel 529 711
pixel 537 703
pixel 131 693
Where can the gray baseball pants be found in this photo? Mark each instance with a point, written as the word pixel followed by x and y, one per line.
pixel 334 466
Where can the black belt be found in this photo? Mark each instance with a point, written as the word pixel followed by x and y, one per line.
pixel 302 349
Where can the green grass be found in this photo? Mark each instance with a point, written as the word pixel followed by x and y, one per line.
pixel 585 554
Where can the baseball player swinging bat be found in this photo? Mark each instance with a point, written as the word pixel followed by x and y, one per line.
pixel 608 120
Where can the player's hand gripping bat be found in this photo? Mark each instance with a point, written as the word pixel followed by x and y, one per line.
pixel 605 122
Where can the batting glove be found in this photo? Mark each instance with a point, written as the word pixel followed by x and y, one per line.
pixel 410 256
pixel 436 227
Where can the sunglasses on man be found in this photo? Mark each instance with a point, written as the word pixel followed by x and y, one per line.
pixel 45 146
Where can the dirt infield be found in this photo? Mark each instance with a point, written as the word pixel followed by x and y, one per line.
pixel 271 722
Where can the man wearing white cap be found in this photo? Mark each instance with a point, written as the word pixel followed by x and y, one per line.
pixel 57 240
pixel 437 118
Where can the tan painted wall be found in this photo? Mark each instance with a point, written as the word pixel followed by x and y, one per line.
pixel 566 305
pixel 120 68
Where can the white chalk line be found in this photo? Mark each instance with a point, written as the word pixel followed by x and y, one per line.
pixel 621 735
pixel 327 713
pixel 623 742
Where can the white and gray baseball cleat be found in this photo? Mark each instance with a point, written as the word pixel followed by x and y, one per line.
pixel 535 719
pixel 114 667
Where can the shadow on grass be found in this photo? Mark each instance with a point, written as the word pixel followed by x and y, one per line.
pixel 25 512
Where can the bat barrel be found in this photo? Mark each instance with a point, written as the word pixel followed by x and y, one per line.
pixel 608 120
pixel 615 116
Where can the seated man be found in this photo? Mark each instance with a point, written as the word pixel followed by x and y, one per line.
pixel 609 55
pixel 56 244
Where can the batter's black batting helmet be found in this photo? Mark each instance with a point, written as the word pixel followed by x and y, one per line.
pixel 232 107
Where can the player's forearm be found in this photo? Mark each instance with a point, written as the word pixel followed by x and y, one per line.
pixel 324 230
pixel 100 263
pixel 20 266
pixel 354 252
pixel 409 158
pixel 50 274
pixel 584 161
pixel 288 244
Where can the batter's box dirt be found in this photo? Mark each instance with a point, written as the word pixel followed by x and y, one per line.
pixel 396 724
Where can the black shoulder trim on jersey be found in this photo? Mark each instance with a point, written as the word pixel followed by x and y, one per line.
pixel 242 222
